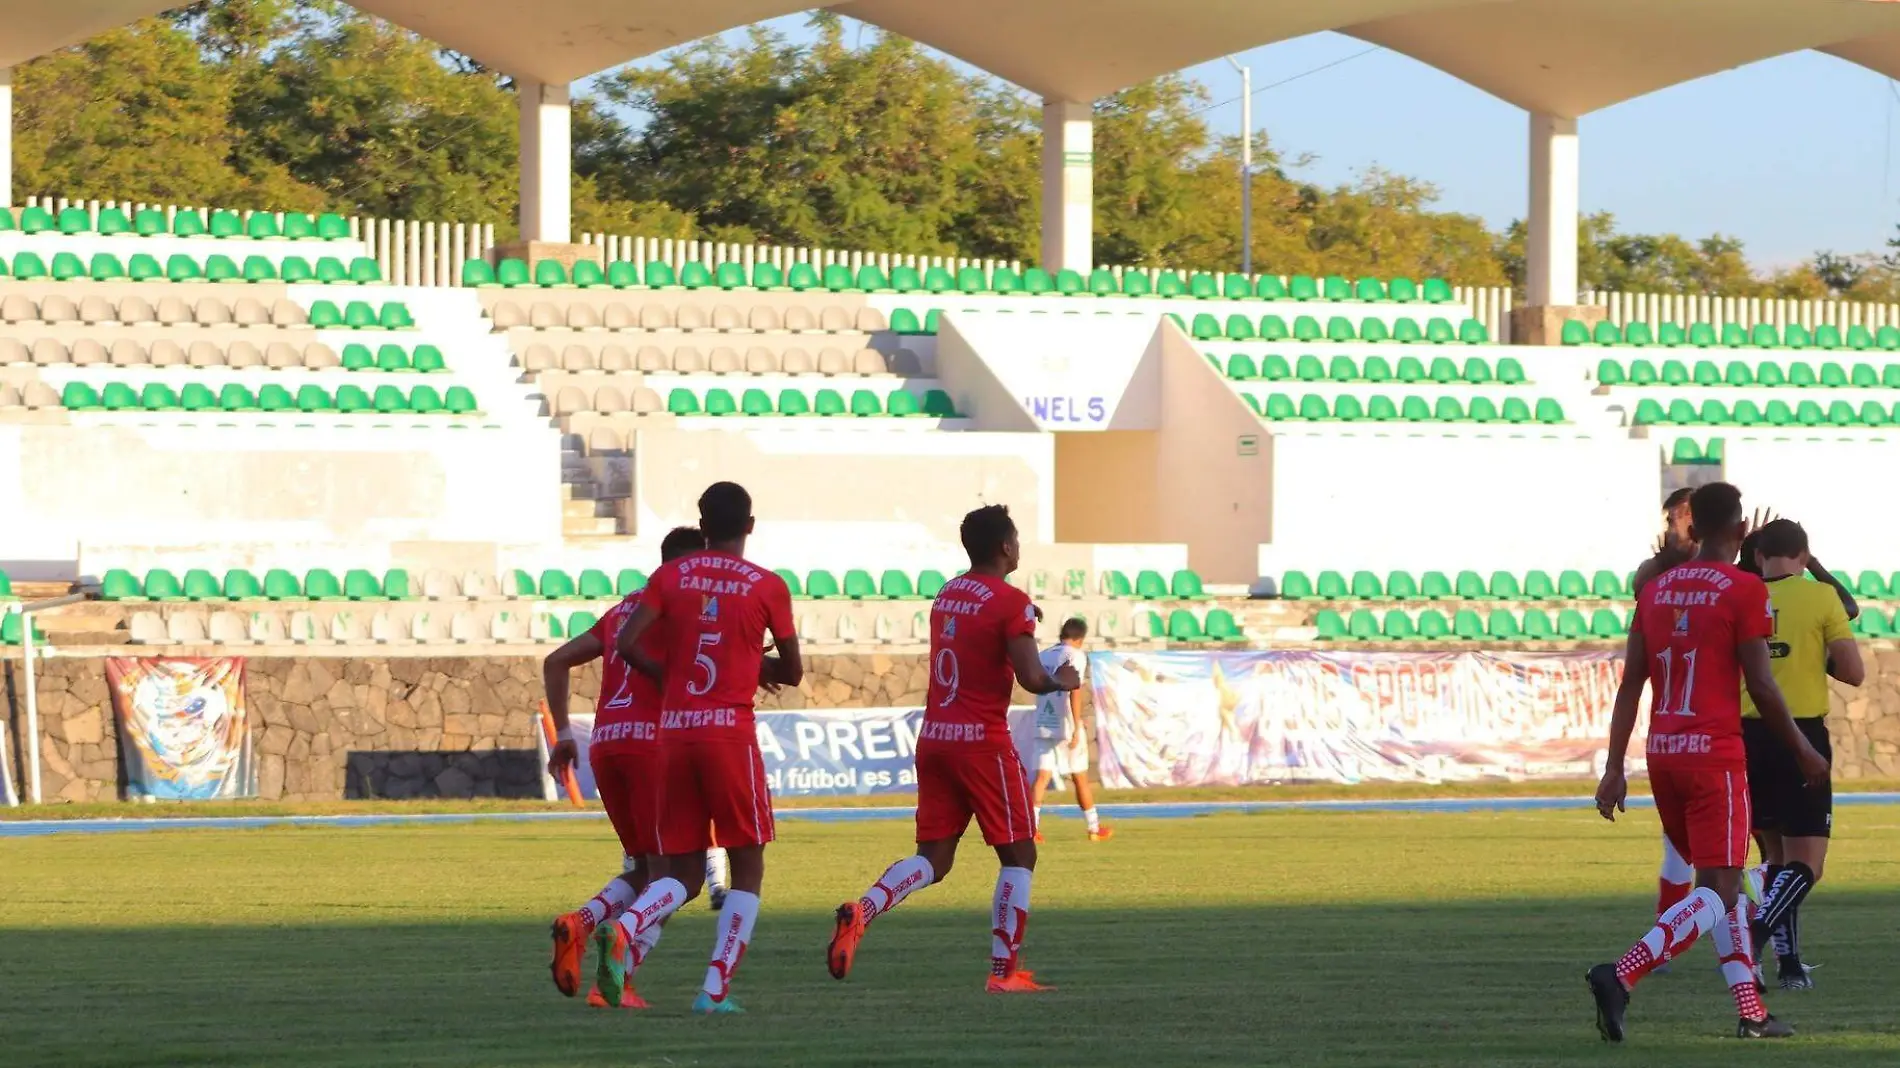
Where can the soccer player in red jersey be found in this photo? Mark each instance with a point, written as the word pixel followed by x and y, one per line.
pixel 982 638
pixel 715 609
pixel 624 753
pixel 1701 634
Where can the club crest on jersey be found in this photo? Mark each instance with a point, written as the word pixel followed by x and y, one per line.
pixel 1682 622
pixel 949 626
pixel 708 608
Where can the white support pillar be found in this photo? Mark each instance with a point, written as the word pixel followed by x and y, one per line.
pixel 1551 244
pixel 6 137
pixel 1068 186
pixel 547 162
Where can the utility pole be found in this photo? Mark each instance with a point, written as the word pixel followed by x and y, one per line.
pixel 1246 165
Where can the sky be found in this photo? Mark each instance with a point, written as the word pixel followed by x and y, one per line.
pixel 1792 155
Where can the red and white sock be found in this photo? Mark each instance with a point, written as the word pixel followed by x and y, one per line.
pixel 898 882
pixel 1674 880
pixel 1009 914
pixel 1736 945
pixel 661 899
pixel 612 900
pixel 1675 931
pixel 729 942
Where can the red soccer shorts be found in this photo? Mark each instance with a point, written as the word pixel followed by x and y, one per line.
pixel 627 775
pixel 715 790
pixel 956 782
pixel 1704 812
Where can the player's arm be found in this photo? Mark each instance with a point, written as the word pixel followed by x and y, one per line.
pixel 1822 574
pixel 1759 677
pixel 583 649
pixel 1843 652
pixel 1613 790
pixel 787 668
pixel 1646 572
pixel 1026 659
pixel 628 645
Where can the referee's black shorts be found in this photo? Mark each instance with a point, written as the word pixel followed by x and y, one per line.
pixel 1780 801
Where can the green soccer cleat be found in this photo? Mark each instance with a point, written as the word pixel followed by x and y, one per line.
pixel 704 1005
pixel 613 976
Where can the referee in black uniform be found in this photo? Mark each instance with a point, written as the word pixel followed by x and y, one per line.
pixel 1793 818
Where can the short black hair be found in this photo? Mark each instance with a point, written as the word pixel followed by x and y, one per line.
pixel 1074 627
pixel 1749 545
pixel 679 541
pixel 724 510
pixel 1781 537
pixel 984 531
pixel 1677 499
pixel 1713 507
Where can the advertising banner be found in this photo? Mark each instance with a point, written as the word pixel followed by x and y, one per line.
pixel 184 734
pixel 834 752
pixel 1241 718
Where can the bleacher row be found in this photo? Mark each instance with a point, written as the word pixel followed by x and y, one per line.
pixel 136 310
pixel 180 268
pixel 277 355
pixel 1034 281
pixel 1502 625
pixel 151 222
pixel 1380 408
pixel 1443 370
pixel 720 360
pixel 273 397
pixel 1739 375
pixel 723 319
pixel 1731 336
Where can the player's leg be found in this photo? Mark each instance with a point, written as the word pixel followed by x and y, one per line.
pixel 1078 768
pixel 570 930
pixel 1045 773
pixel 1805 818
pixel 1673 932
pixel 680 825
pixel 740 804
pixel 718 875
pixel 998 792
pixel 620 947
pixel 942 815
pixel 1675 879
pixel 1719 820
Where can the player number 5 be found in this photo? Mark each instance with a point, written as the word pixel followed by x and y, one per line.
pixel 702 662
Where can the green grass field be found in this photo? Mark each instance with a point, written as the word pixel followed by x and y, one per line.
pixel 1290 939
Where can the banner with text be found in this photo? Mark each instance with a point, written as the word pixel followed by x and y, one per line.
pixel 184 733
pixel 1230 719
pixel 833 752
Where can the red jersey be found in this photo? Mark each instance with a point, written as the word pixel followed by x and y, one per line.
pixel 717 610
pixel 971 677
pixel 1692 618
pixel 628 708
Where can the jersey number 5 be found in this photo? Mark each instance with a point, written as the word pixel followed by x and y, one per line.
pixel 1673 699
pixel 702 662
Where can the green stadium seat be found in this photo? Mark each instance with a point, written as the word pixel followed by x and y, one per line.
pixel 1373 331
pixel 1342 369
pixel 118 397
pixel 1746 413
pixel 162 585
pixel 930 583
pixel 894 586
pixel 1302 287
pixel 197 397
pixel 1735 336
pixel 389 400
pixel 68 267
pixel 1432 625
pixel 1434 586
pixel 313 398
pixel 1638 334
pixel 1795 336
pixel 1470 587
pixel 1296 586
pixel 1415 410
pixel 682 402
pixel 1363 626
pixel 1401 586
pixel 823 586
pixel 1339 328
pixel 1859 338
pixel 1606 586
pixel 937 404
pixel 281 585
pixel 1367 587
pixel 1185 585
pixel 1376 368
pixel 1504 587
pixel 1863 376
pixel 1537 626
pixel 1516 410
pixel 1466 625
pixel 659 275
pixel 1887 338
pixel 1549 410
pixel 1872 414
pixel 1347 408
pixel 1571 625
pixel 331 272
pixel 1686 451
pixel 1332 586
pixel 1205 327
pixel 1482 410
pixel 200 585
pixel 360 585
pixel 695 275
pixel 1840 413
pixel 720 402
pixel 1606 624
pixel 858 585
pixel 793 402
pixel 1405 331
pixel 423 400
pixel 1874 623
pixel 350 399
pixel 1308 368
pixel 220 268
pixel 632 580
pixel 755 402
pixel 1313 407
pixel 1448 410
pixel 1149 586
pixel 158 397
pixel 28 267
pixel 1828 337
pixel 79 397
pixel 1220 626
pixel 1274 368
pixel 1571 585
pixel 1410 370
pixel 1801 374
pixel 1329 626
pixel 1538 587
pixel 1239 327
pixel 1503 626
pixel 1241 368
pixel 118 584
pixel 828 402
pixel 550 273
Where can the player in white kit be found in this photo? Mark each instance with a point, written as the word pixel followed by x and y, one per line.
pixel 1061 741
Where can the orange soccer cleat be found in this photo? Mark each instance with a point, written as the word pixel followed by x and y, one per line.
pixel 570 949
pixel 1101 834
pixel 845 938
pixel 628 999
pixel 1020 981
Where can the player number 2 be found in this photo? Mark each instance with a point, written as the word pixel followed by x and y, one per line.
pixel 702 662
pixel 1671 700
pixel 943 669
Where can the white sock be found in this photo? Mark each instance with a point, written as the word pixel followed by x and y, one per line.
pixel 898 882
pixel 1094 821
pixel 1009 915
pixel 662 898
pixel 612 900
pixel 716 867
pixel 1736 947
pixel 729 942
pixel 1037 813
pixel 627 863
pixel 644 940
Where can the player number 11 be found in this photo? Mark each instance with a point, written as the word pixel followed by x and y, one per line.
pixel 1667 692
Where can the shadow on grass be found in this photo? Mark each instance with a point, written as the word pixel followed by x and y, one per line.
pixel 1364 985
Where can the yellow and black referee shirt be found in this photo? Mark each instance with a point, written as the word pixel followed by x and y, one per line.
pixel 1808 615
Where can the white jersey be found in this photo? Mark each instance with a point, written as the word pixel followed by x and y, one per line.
pixel 1053 721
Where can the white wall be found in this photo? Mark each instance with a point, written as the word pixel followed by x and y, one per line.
pixel 1836 489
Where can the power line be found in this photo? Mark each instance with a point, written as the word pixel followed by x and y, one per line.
pixel 1294 78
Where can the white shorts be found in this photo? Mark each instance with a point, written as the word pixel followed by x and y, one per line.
pixel 1060 757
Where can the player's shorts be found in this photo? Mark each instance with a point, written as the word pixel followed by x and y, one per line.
pixel 627 776
pixel 957 782
pixel 1704 812
pixel 715 790
pixel 1059 757
pixel 1783 803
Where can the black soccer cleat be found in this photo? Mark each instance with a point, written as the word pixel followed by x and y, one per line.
pixel 1611 1000
pixel 1766 1027
pixel 1794 975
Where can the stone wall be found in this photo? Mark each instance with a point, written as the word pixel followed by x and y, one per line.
pixel 419 726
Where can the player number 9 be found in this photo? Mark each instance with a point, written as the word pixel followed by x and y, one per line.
pixel 943 669
pixel 702 662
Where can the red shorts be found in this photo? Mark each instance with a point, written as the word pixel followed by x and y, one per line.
pixel 957 782
pixel 1704 813
pixel 627 777
pixel 715 791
